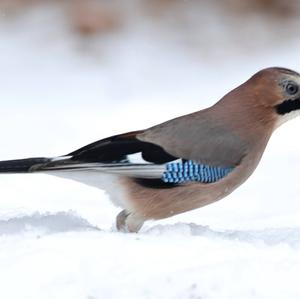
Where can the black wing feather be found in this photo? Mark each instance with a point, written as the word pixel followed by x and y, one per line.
pixel 116 149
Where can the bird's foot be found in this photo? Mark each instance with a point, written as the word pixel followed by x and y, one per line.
pixel 128 222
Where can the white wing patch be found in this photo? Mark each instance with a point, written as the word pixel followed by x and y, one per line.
pixel 137 158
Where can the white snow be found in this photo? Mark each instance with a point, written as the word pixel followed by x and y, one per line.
pixel 58 93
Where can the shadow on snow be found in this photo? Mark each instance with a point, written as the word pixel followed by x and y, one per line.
pixel 268 236
pixel 47 223
pixel 70 222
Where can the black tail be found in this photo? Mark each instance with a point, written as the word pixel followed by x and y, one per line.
pixel 22 165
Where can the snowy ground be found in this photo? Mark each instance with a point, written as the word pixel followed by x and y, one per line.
pixel 57 238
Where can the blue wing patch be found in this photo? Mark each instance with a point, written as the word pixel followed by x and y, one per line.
pixel 181 172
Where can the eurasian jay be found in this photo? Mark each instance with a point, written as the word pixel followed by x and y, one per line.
pixel 184 163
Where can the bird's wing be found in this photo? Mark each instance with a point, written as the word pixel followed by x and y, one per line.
pixel 121 154
pixel 201 137
pixel 156 167
pixel 118 148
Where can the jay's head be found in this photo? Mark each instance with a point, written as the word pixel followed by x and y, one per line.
pixel 272 94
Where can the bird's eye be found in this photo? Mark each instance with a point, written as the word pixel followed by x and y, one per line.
pixel 291 88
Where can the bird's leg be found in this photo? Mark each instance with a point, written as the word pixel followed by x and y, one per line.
pixel 128 222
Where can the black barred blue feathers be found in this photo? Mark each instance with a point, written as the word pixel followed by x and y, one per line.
pixel 181 172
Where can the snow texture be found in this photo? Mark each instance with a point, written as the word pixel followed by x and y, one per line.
pixel 57 93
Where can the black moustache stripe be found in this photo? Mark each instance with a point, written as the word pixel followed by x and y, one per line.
pixel 288 106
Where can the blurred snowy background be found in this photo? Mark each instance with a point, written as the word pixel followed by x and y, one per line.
pixel 73 72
